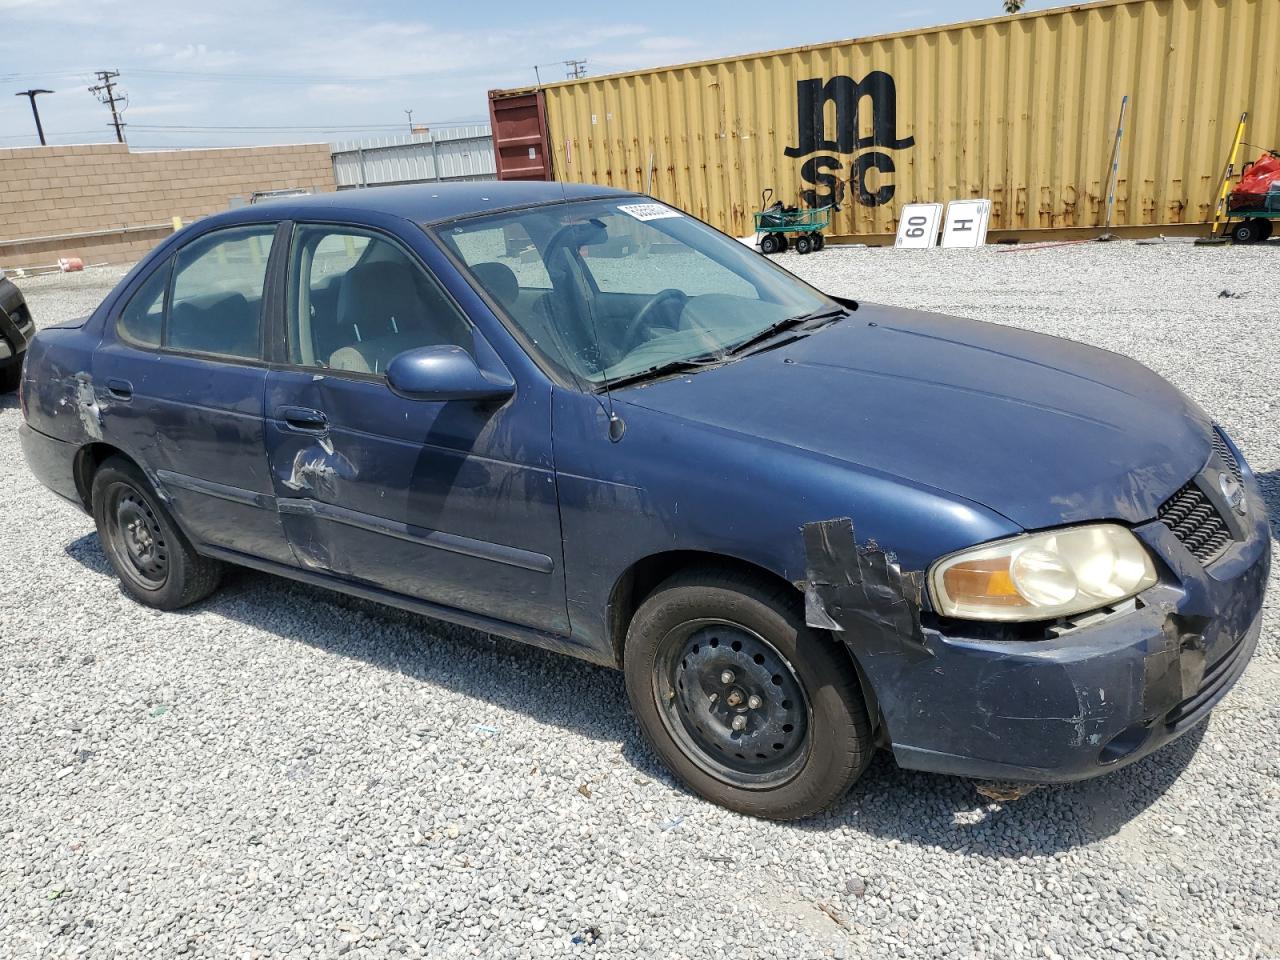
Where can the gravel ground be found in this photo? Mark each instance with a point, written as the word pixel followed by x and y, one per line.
pixel 284 772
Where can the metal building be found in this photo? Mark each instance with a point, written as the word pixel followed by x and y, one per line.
pixel 462 152
pixel 1021 110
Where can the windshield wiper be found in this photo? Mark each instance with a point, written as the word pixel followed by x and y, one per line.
pixel 771 331
pixel 716 359
pixel 664 369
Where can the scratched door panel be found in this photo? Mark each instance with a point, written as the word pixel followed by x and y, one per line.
pixel 196 424
pixel 452 502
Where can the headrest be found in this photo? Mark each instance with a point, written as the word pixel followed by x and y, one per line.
pixel 499 280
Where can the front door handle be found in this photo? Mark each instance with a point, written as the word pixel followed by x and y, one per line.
pixel 303 419
pixel 120 389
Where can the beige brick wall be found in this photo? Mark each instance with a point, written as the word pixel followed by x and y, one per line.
pixel 54 191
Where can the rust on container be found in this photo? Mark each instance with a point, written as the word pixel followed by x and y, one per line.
pixel 1019 109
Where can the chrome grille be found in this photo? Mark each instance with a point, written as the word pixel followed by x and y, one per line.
pixel 1196 523
pixel 1225 455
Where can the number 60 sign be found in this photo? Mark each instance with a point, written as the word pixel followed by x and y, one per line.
pixel 918 228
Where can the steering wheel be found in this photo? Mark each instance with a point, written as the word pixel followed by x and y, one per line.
pixel 645 314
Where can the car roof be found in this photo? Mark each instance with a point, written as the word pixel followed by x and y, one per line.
pixel 427 202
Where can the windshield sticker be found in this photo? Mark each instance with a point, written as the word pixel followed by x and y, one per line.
pixel 649 211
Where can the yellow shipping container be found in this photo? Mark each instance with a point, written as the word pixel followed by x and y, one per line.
pixel 1021 110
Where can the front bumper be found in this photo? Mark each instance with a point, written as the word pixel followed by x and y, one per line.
pixel 1094 697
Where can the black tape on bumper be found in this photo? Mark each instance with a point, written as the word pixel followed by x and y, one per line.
pixel 1176 671
pixel 859 589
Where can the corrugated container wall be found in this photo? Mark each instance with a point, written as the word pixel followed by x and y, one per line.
pixel 460 152
pixel 1021 110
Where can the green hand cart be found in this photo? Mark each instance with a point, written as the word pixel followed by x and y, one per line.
pixel 772 227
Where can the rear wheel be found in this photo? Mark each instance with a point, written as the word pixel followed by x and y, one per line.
pixel 769 243
pixel 747 706
pixel 819 241
pixel 804 243
pixel 1251 231
pixel 154 561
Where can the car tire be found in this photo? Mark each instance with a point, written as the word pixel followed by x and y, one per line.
pixel 10 377
pixel 702 640
pixel 153 559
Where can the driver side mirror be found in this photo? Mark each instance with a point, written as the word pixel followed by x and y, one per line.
pixel 445 373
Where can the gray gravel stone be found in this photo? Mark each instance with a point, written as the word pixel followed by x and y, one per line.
pixel 323 782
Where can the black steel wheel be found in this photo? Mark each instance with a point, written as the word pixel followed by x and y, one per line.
pixel 732 702
pixel 155 562
pixel 135 538
pixel 769 243
pixel 747 705
pixel 1250 231
pixel 804 244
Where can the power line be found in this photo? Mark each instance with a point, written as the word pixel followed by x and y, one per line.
pixel 323 127
pixel 63 133
pixel 280 77
pixel 105 92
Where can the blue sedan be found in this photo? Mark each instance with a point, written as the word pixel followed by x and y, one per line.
pixel 803 527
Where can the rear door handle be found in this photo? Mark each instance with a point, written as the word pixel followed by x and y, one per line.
pixel 120 389
pixel 303 419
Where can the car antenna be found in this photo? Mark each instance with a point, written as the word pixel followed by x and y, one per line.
pixel 617 426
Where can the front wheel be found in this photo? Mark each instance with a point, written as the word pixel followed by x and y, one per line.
pixel 744 703
pixel 769 243
pixel 804 244
pixel 156 564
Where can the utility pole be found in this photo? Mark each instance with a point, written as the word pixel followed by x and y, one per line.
pixel 105 92
pixel 409 114
pixel 35 112
pixel 577 69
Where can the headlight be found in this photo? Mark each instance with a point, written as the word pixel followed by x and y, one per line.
pixel 1042 576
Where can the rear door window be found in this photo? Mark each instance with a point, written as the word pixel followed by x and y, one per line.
pixel 215 305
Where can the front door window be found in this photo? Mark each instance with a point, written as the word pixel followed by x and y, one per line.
pixel 358 300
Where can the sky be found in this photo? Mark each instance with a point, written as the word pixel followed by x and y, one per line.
pixel 259 71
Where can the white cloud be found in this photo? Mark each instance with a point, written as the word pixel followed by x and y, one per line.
pixel 269 63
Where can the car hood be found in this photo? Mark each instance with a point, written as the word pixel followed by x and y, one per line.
pixel 1042 430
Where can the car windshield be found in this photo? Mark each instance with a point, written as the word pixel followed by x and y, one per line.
pixel 615 289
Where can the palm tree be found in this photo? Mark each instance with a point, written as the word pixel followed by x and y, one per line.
pixel 1013 6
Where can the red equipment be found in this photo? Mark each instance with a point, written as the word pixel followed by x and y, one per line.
pixel 1259 187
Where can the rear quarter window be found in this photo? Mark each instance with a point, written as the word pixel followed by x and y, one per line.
pixel 143 316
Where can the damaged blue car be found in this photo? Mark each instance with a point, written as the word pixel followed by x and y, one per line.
pixel 803 527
